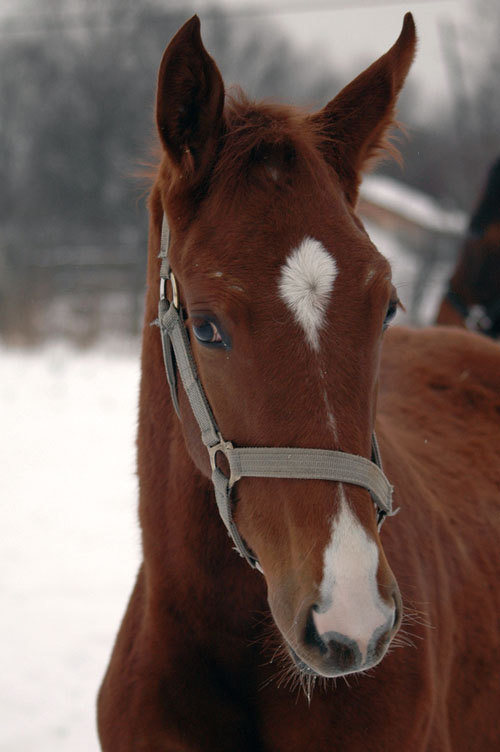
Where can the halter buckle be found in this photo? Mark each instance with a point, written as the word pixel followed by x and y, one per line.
pixel 175 292
pixel 478 319
pixel 225 447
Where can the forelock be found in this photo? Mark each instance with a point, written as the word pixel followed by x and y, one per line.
pixel 262 134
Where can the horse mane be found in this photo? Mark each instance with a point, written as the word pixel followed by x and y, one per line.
pixel 279 137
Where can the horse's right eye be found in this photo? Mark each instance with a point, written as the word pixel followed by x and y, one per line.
pixel 207 332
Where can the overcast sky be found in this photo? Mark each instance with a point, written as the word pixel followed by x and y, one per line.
pixel 353 34
pixel 350 33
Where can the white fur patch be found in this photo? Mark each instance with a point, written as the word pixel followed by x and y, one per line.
pixel 350 601
pixel 369 276
pixel 273 173
pixel 305 285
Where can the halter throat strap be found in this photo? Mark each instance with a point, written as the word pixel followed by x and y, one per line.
pixel 257 462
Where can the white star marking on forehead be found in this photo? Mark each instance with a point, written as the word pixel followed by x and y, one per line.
pixel 305 285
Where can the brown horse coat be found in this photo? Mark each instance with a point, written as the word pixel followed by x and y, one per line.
pixel 200 661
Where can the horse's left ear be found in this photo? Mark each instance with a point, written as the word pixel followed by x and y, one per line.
pixel 189 103
pixel 355 123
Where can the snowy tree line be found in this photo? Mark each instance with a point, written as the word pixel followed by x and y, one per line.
pixel 77 86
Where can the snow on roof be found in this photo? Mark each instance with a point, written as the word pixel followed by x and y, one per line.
pixel 413 205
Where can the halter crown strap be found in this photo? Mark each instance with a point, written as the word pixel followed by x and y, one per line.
pixel 257 462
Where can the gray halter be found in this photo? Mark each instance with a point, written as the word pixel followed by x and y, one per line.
pixel 257 462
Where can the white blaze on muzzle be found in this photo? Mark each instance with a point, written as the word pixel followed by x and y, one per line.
pixel 350 603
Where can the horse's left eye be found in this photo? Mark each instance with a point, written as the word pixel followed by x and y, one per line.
pixel 206 332
pixel 391 312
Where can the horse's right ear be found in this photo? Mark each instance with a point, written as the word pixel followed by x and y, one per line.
pixel 189 102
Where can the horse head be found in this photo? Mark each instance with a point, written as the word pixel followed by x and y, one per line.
pixel 285 301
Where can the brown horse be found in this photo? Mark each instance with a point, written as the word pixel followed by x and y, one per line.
pixel 472 299
pixel 275 301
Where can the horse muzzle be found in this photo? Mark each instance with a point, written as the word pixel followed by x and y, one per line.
pixel 330 647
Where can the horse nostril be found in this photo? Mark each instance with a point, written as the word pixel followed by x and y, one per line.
pixel 395 618
pixel 311 636
pixel 340 650
pixel 398 612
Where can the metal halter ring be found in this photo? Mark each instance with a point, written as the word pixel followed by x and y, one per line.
pixel 224 447
pixel 163 289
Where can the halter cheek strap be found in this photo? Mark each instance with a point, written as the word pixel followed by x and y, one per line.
pixel 257 462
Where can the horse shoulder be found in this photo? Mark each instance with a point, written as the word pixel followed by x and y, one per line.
pixel 440 441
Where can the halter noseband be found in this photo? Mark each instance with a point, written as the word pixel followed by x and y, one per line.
pixel 261 462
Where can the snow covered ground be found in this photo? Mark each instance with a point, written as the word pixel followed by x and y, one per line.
pixel 69 544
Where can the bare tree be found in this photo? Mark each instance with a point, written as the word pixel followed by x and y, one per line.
pixel 77 84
